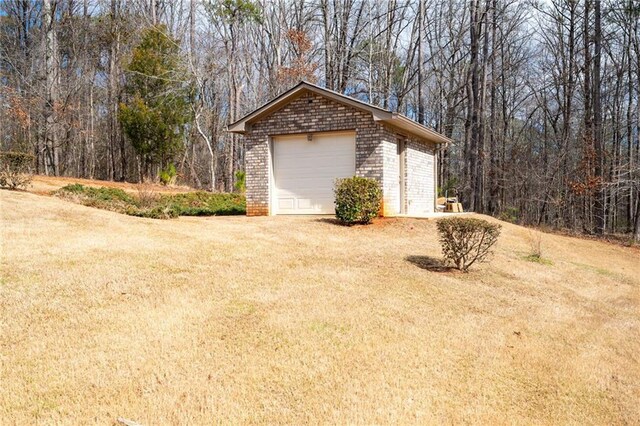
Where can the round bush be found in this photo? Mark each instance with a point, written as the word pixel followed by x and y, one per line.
pixel 466 241
pixel 357 200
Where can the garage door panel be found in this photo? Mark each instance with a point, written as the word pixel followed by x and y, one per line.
pixel 308 192
pixel 301 171
pixel 286 203
pixel 305 171
pixel 302 205
pixel 313 182
pixel 318 161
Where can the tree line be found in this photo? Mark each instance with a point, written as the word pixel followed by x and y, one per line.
pixel 542 98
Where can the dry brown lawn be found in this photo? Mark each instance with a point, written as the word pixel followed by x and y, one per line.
pixel 46 184
pixel 296 320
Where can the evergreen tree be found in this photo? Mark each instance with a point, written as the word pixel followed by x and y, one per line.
pixel 156 112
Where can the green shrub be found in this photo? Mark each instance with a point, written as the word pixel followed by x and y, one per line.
pixel 240 184
pixel 168 175
pixel 73 188
pixel 466 241
pixel 153 205
pixel 110 194
pixel 357 200
pixel 509 214
pixel 16 169
pixel 113 199
pixel 203 203
pixel 98 194
pixel 449 187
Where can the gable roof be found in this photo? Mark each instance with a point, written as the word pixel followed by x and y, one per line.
pixel 378 114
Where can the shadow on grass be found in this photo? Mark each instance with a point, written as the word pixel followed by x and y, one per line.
pixel 375 222
pixel 329 220
pixel 429 263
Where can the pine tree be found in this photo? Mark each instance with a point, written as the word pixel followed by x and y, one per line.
pixel 157 110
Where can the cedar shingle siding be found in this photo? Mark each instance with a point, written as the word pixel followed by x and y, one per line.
pixel 376 152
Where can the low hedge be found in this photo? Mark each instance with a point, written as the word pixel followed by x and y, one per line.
pixel 162 206
pixel 202 203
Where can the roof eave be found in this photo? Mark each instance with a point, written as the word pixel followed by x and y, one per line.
pixel 405 123
pixel 242 125
pixel 238 128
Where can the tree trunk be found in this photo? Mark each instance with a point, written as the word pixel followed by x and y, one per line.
pixel 421 117
pixel 474 133
pixel 51 79
pixel 233 108
pixel 588 148
pixel 599 207
pixel 112 94
pixel 636 227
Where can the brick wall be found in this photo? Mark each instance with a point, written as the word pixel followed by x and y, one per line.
pixel 419 177
pixel 391 175
pixel 309 113
pixel 419 185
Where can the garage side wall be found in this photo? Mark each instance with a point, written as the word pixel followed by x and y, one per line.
pixel 391 175
pixel 309 113
pixel 420 177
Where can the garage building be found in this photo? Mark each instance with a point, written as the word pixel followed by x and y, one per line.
pixel 300 142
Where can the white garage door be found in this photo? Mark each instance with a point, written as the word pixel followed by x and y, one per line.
pixel 305 171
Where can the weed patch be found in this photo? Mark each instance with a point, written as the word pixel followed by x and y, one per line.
pixel 537 259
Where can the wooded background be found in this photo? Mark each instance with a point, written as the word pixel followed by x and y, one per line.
pixel 540 97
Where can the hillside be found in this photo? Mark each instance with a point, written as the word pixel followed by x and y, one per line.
pixel 42 184
pixel 298 320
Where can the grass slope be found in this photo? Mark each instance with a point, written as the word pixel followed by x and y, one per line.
pixel 292 319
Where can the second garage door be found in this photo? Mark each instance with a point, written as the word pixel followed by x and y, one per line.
pixel 305 170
